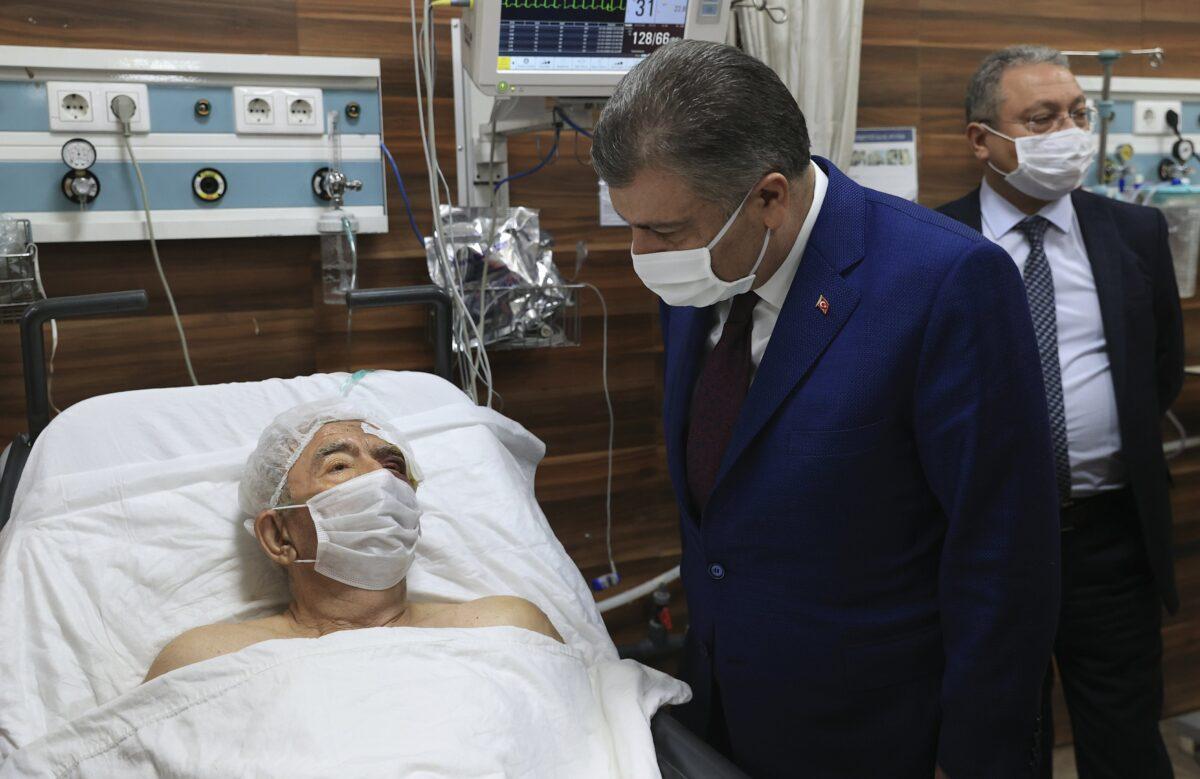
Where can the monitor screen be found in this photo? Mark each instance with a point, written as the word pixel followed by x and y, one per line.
pixel 585 35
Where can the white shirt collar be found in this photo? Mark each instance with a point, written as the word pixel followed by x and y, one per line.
pixel 1000 216
pixel 775 291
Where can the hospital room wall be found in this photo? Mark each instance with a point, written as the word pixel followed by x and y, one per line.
pixel 252 307
pixel 917 56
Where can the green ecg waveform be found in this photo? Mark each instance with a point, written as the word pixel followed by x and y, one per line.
pixel 567 5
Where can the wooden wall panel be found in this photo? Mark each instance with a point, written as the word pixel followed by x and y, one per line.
pixel 253 307
pixel 918 56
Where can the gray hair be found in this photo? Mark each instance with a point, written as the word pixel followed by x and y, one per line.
pixel 708 112
pixel 983 93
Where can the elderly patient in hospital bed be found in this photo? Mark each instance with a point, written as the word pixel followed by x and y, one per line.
pixel 397 657
pixel 331 496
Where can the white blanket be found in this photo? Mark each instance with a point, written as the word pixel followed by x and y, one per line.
pixel 395 702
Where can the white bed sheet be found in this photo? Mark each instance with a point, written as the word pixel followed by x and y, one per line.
pixel 453 703
pixel 125 533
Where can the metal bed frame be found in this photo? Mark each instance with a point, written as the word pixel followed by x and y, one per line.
pixel 681 755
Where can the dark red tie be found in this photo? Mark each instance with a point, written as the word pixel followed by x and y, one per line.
pixel 720 391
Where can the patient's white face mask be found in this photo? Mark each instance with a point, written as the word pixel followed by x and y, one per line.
pixel 367 530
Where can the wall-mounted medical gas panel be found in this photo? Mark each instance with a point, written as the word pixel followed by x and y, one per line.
pixel 1141 144
pixel 229 144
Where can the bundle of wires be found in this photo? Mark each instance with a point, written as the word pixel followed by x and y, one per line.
pixel 473 363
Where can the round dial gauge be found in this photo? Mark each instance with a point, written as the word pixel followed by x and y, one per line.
pixel 1184 150
pixel 79 154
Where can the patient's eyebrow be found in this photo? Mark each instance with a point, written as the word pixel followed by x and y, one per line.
pixel 333 447
pixel 386 448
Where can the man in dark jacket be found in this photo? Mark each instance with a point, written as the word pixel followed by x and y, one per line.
pixel 1102 295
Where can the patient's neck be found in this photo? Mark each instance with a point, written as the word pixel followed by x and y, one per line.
pixel 322 605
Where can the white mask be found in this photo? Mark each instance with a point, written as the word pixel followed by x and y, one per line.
pixel 685 277
pixel 367 530
pixel 1051 165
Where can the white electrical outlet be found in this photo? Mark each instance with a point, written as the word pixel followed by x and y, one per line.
pixel 75 106
pixel 278 110
pixel 1150 116
pixel 86 106
pixel 140 123
pixel 256 110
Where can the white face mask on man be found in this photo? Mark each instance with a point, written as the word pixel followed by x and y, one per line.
pixel 685 277
pixel 1050 165
pixel 367 530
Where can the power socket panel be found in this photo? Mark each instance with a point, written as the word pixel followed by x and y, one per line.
pixel 278 111
pixel 86 106
pixel 1150 116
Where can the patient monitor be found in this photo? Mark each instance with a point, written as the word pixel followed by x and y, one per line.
pixel 576 48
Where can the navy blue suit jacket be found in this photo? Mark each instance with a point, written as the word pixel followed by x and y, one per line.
pixel 874 581
pixel 1130 255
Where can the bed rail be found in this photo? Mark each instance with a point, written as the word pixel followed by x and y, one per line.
pixel 33 364
pixel 428 294
pixel 682 755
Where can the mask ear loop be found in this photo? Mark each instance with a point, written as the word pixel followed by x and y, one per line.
pixel 761 253
pixel 1008 138
pixel 729 222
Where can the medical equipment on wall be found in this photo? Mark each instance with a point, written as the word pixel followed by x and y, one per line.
pixel 228 143
pixel 576 48
pixel 338 228
pixel 1177 167
pixel 1104 106
pixel 219 145
pixel 1151 126
pixel 524 66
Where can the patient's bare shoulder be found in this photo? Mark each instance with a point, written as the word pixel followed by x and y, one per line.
pixel 506 610
pixel 209 641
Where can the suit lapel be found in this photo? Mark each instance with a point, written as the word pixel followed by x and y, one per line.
pixel 805 328
pixel 688 329
pixel 966 210
pixel 1103 248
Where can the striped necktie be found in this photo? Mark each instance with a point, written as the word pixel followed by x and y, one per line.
pixel 1039 288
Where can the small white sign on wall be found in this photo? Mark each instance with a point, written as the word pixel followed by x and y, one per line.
pixel 885 158
pixel 608 215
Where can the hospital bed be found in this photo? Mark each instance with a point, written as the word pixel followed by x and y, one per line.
pixel 119 530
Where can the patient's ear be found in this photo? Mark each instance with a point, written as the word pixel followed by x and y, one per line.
pixel 273 536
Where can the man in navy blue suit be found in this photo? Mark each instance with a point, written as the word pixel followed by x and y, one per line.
pixel 857 435
pixel 1111 340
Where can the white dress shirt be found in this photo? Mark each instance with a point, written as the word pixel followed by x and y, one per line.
pixel 775 291
pixel 1090 402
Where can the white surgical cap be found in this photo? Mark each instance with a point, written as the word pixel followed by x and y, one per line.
pixel 281 443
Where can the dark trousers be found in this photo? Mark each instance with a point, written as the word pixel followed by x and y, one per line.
pixel 1109 645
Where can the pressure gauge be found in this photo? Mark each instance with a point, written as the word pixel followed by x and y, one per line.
pixel 80 186
pixel 79 154
pixel 1125 152
pixel 1183 150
